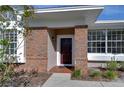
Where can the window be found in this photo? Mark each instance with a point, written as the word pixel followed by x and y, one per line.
pixel 115 42
pixel 96 41
pixel 12 37
pixel 106 41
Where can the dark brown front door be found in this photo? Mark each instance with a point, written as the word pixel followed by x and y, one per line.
pixel 66 51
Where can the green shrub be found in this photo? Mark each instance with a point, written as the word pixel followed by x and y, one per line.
pixel 110 74
pixel 2 67
pixel 77 74
pixel 112 65
pixel 95 73
pixel 6 72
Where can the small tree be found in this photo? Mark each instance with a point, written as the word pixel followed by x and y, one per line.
pixel 7 15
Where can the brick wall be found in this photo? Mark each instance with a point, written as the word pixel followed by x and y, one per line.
pixel 36 51
pixel 81 49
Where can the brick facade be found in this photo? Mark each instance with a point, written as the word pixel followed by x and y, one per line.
pixel 36 51
pixel 36 47
pixel 81 49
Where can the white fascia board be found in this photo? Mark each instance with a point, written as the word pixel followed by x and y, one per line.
pixel 109 21
pixel 62 9
pixel 66 9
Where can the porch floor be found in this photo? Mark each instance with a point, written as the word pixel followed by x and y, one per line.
pixel 62 69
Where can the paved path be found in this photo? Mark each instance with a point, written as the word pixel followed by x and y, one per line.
pixel 63 80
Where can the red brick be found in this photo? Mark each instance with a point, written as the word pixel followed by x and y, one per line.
pixel 36 51
pixel 81 49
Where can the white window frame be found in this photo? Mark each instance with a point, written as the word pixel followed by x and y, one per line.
pixel 100 42
pixel 4 36
pixel 105 56
pixel 20 55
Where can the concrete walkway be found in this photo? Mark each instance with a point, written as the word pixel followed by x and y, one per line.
pixel 63 80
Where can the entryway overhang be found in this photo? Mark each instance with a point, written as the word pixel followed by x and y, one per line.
pixel 65 17
pixel 64 23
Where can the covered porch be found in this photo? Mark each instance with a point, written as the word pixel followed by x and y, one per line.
pixel 67 49
pixel 67 35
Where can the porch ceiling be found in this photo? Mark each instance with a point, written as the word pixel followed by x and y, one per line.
pixel 65 18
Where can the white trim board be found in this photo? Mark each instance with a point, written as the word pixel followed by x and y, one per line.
pixel 67 9
pixel 108 21
pixel 61 9
pixel 58 49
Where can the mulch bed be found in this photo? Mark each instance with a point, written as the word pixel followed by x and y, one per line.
pixel 22 79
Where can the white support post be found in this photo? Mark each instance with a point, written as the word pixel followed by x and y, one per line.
pixel 20 43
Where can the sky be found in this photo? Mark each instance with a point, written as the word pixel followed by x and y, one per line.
pixel 110 12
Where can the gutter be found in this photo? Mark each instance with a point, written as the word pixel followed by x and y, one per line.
pixel 63 9
pixel 109 21
pixel 68 9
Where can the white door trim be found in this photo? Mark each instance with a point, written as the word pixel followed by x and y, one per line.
pixel 58 49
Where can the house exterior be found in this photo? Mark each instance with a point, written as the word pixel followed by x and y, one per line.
pixel 70 36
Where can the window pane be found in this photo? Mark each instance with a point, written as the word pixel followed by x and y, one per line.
pixel 109 50
pixel 97 42
pixel 122 44
pixel 12 51
pixel 119 44
pixel 122 32
pixel 115 41
pixel 94 50
pixel 102 37
pixel 122 50
pixel 94 44
pixel 89 33
pixel 113 50
pixel 122 36
pixel 89 38
pixel 109 37
pixel 12 37
pixel 102 44
pixel 94 33
pixel 118 50
pixel 98 50
pixel 113 37
pixel 109 44
pixel 89 44
pixel 119 37
pixel 113 44
pixel 98 37
pixel 89 50
pixel 94 37
pixel 102 50
pixel 113 32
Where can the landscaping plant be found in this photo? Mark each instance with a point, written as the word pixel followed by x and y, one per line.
pixel 95 74
pixel 110 74
pixel 7 13
pixel 112 65
pixel 5 67
pixel 77 74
